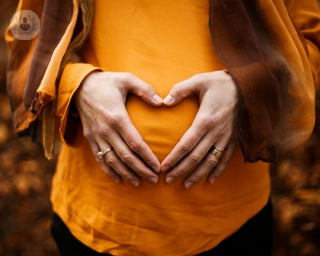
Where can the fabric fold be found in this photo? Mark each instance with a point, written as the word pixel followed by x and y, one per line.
pixel 270 66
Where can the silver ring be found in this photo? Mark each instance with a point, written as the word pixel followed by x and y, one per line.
pixel 101 154
pixel 216 152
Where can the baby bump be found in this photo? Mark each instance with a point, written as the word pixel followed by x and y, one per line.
pixel 162 127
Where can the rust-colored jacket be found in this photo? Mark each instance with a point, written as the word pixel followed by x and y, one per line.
pixel 276 68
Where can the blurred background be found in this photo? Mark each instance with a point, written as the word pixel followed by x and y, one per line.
pixel 25 180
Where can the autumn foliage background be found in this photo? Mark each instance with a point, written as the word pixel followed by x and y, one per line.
pixel 25 180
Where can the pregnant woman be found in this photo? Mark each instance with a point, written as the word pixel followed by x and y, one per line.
pixel 151 117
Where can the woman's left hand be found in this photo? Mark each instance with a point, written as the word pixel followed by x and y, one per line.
pixel 212 128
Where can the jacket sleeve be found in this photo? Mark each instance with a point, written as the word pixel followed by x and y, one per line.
pixel 274 62
pixel 35 68
pixel 33 65
pixel 20 53
pixel 72 76
pixel 306 16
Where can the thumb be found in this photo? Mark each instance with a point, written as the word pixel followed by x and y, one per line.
pixel 144 90
pixel 180 91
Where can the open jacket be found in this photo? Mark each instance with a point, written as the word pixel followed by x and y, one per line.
pixel 274 62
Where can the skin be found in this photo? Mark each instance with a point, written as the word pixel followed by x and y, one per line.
pixel 106 124
pixel 213 125
pixel 131 158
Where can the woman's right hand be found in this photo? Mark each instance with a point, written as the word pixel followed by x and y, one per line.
pixel 100 101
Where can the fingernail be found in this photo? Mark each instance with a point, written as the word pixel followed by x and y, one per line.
pixel 156 98
pixel 164 168
pixel 169 180
pixel 212 180
pixel 134 183
pixel 168 99
pixel 153 180
pixel 156 168
pixel 188 184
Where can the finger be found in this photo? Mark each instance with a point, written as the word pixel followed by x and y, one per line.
pixel 180 91
pixel 105 168
pixel 135 142
pixel 143 90
pixel 192 160
pixel 124 153
pixel 186 144
pixel 224 161
pixel 209 162
pixel 120 168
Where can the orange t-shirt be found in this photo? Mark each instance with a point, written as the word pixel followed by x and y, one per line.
pixel 161 42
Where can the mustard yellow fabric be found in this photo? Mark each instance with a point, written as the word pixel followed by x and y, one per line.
pixel 162 43
pixel 306 17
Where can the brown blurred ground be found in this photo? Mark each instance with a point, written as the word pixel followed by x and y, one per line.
pixel 25 177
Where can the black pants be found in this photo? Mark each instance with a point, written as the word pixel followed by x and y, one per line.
pixel 253 239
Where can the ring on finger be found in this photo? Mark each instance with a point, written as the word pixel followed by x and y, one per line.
pixel 216 152
pixel 102 153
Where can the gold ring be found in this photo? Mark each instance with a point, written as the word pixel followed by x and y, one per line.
pixel 216 152
pixel 101 154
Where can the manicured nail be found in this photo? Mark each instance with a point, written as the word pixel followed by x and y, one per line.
pixel 134 183
pixel 188 184
pixel 169 180
pixel 153 180
pixel 164 168
pixel 212 180
pixel 168 99
pixel 156 98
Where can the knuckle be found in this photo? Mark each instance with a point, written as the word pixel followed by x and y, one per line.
pixel 179 173
pixel 186 147
pixel 87 133
pixel 100 129
pixel 199 78
pixel 207 123
pixel 135 145
pixel 127 77
pixel 199 133
pixel 142 174
pixel 195 177
pixel 220 133
pixel 147 90
pixel 126 158
pixel 195 158
pixel 111 161
pixel 212 161
pixel 114 119
pixel 149 160
pixel 175 90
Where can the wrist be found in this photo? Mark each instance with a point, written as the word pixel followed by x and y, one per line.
pixel 76 98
